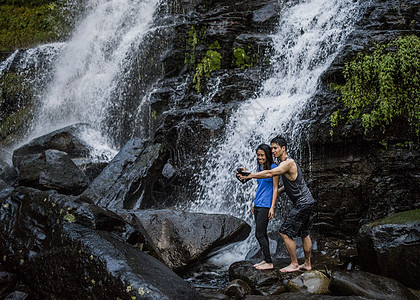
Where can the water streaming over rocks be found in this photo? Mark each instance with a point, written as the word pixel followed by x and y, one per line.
pixel 84 79
pixel 307 39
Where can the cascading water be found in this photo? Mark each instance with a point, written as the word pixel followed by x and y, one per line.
pixel 308 37
pixel 90 70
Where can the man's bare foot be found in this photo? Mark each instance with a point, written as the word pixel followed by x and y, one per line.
pixel 290 268
pixel 265 266
pixel 260 263
pixel 305 267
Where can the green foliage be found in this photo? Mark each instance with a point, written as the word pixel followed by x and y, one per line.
pixel 404 217
pixel 191 44
pixel 241 59
pixel 210 62
pixel 382 85
pixel 13 122
pixel 27 23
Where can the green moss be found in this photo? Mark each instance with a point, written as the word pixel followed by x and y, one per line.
pixel 242 60
pixel 191 45
pixel 382 85
pixel 25 24
pixel 210 62
pixel 14 123
pixel 399 218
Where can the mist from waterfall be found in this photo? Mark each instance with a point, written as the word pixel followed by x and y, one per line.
pixel 309 35
pixel 86 73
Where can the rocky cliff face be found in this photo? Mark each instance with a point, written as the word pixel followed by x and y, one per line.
pixel 205 57
pixel 356 177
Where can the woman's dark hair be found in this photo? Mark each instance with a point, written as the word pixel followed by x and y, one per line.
pixel 268 155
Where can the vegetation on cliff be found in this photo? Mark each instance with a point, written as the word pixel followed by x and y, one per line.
pixel 28 23
pixel 211 62
pixel 382 85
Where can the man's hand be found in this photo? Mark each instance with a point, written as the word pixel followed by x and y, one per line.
pixel 271 213
pixel 241 173
pixel 252 209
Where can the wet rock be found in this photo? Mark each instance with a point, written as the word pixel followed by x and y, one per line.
pixel 390 247
pixel 17 295
pixel 3 184
pixel 213 294
pixel 237 289
pixel 8 173
pixel 353 176
pixel 302 296
pixel 51 169
pixel 359 283
pixel 82 250
pixel 313 282
pixel 262 282
pixel 66 139
pixel 91 168
pixel 184 238
pixel 128 179
pixel 7 283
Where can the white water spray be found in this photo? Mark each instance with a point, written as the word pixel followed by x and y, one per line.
pixel 308 37
pixel 93 63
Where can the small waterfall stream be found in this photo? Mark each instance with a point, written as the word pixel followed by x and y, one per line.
pixel 308 37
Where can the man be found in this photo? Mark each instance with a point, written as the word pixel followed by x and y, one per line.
pixel 297 222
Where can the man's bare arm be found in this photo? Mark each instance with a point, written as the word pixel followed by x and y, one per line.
pixel 282 168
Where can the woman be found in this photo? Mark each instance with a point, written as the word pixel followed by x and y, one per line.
pixel 264 202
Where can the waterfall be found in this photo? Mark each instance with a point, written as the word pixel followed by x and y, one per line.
pixel 87 77
pixel 308 37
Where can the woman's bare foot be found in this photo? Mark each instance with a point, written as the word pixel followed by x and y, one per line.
pixel 305 267
pixel 260 263
pixel 290 268
pixel 265 266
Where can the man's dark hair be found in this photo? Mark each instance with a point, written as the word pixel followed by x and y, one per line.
pixel 280 141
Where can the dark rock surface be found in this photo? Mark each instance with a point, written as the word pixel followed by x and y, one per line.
pixel 184 238
pixel 359 178
pixel 66 139
pixel 8 173
pixel 302 296
pixel 359 283
pixel 128 178
pixel 237 289
pixel 82 250
pixel 52 169
pixel 390 247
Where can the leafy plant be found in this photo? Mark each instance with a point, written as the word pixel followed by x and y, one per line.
pixel 210 62
pixel 242 60
pixel 382 85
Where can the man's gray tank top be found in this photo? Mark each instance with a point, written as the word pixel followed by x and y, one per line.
pixel 297 190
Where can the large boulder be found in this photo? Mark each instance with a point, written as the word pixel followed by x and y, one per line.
pixel 51 169
pixel 313 282
pixel 390 247
pixel 184 238
pixel 128 179
pixel 67 139
pixel 359 283
pixel 267 282
pixel 8 173
pixel 64 248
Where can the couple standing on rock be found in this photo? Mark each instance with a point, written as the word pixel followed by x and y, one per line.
pixel 297 222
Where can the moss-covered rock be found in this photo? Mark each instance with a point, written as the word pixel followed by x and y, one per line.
pixel 390 247
pixel 28 23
